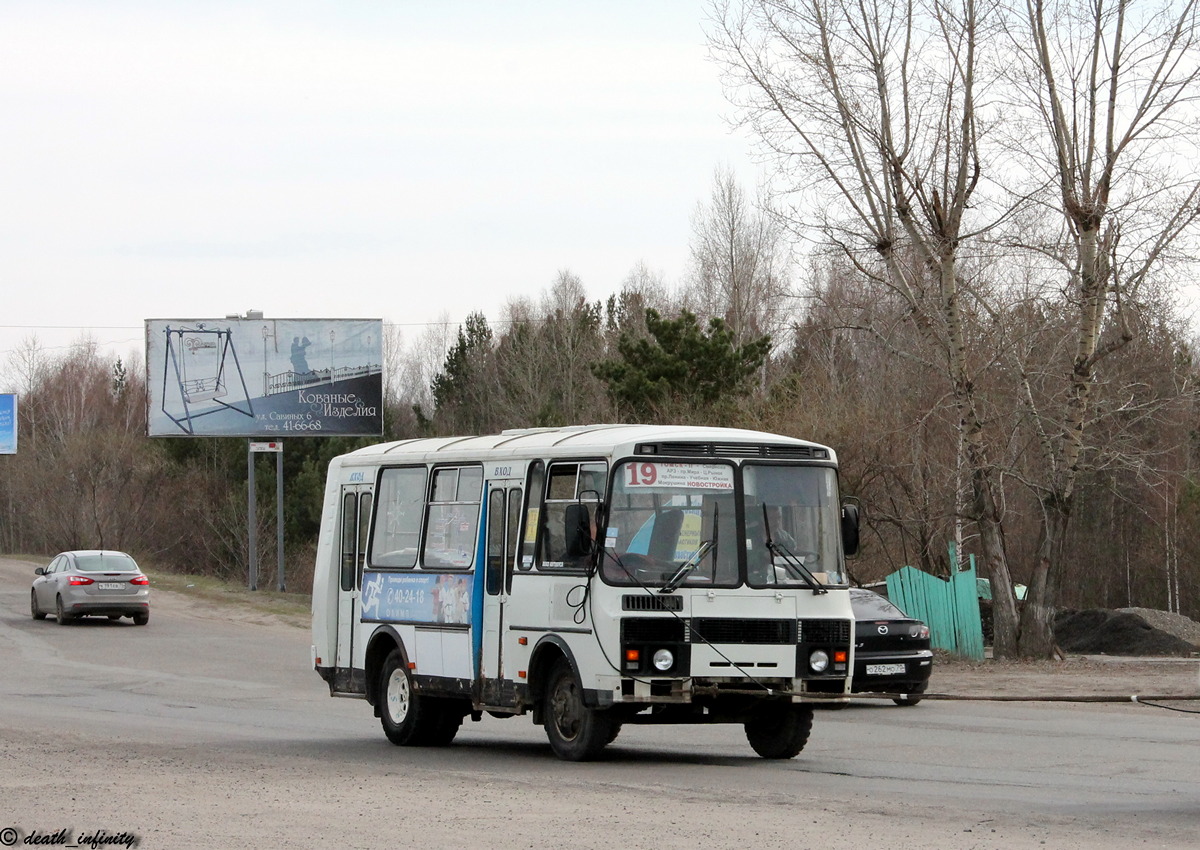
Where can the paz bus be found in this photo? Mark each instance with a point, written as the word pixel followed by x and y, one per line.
pixel 591 577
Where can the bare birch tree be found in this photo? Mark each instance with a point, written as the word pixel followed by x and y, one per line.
pixel 1104 97
pixel 740 262
pixel 871 111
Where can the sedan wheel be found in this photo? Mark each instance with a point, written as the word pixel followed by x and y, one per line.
pixel 913 696
pixel 64 619
pixel 38 613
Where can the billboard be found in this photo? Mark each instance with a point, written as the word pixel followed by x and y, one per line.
pixel 271 378
pixel 8 424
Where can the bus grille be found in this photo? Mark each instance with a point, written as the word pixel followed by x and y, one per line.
pixel 824 631
pixel 712 630
pixel 740 450
pixel 648 602
pixel 652 630
pixel 734 631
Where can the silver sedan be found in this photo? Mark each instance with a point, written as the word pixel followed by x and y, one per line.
pixel 92 581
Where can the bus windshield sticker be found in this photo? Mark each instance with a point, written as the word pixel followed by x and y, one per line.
pixel 678 476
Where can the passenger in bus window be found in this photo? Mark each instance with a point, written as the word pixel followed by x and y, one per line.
pixel 779 533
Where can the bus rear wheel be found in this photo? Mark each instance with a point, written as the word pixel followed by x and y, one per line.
pixel 576 732
pixel 409 719
pixel 779 730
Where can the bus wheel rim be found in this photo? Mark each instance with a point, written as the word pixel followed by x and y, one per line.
pixel 397 696
pixel 565 709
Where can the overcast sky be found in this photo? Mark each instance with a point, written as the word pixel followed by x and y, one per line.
pixel 397 159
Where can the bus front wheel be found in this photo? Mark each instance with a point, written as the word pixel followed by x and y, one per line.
pixel 409 719
pixel 779 730
pixel 576 732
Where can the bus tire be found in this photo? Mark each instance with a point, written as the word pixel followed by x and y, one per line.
pixel 576 732
pixel 446 722
pixel 779 730
pixel 408 719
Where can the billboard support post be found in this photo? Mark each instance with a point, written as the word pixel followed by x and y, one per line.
pixel 251 518
pixel 282 586
pixel 255 447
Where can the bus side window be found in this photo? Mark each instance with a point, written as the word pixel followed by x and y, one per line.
pixel 573 495
pixel 349 537
pixel 514 528
pixel 399 506
pixel 495 542
pixel 453 517
pixel 533 513
pixel 364 523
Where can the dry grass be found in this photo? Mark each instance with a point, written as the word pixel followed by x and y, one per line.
pixel 291 607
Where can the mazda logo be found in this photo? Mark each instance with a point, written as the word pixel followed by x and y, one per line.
pixel 883 630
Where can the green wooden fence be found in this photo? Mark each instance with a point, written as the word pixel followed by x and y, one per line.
pixel 949 607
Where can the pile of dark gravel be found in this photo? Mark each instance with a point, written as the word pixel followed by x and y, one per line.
pixel 1104 632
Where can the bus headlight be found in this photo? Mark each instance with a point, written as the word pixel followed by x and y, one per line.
pixel 818 661
pixel 664 660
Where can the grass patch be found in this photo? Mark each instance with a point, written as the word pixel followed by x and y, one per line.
pixel 294 607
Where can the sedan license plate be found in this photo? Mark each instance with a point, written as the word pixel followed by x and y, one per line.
pixel 884 669
pixel 110 585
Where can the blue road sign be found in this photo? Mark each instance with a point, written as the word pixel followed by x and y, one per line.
pixel 8 424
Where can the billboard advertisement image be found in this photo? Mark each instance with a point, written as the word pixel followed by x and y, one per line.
pixel 257 377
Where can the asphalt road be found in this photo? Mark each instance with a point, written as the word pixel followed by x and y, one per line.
pixel 208 728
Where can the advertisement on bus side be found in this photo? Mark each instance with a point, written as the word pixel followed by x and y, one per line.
pixel 416 598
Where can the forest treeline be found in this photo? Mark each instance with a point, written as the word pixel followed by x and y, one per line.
pixel 87 475
pixel 964 271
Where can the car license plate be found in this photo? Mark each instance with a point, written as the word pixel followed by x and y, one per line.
pixel 110 585
pixel 884 669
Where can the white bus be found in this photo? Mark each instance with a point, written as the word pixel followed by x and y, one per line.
pixel 590 576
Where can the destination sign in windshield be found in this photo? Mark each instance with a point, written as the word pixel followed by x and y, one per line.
pixel 678 476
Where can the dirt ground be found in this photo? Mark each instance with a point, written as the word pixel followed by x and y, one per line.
pixel 1092 676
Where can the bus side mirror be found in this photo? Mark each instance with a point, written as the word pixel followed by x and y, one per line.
pixel 850 529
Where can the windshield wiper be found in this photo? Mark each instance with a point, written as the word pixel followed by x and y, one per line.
pixel 687 566
pixel 795 565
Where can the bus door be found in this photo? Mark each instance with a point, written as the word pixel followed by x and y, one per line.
pixel 503 523
pixel 356 516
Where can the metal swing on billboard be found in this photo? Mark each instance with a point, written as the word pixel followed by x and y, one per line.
pixel 209 386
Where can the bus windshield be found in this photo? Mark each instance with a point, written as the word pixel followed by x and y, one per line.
pixel 672 525
pixel 793 519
